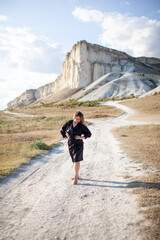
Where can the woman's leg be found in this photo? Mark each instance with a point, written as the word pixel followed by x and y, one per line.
pixel 76 171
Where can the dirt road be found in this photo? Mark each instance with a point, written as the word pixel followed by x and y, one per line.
pixel 40 202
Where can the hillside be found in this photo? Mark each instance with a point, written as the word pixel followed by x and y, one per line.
pixel 84 66
pixel 154 62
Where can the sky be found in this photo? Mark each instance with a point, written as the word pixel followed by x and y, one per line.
pixel 35 36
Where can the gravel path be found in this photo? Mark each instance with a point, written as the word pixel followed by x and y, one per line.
pixel 40 202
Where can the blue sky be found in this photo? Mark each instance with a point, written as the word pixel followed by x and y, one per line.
pixel 35 35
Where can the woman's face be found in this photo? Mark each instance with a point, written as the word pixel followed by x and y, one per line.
pixel 77 119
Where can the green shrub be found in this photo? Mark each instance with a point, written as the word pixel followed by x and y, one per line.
pixel 49 119
pixel 38 144
pixel 156 93
pixel 2 122
pixel 73 103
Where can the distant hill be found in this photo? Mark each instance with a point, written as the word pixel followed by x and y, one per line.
pixel 96 72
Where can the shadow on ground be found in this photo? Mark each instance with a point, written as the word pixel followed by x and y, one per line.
pixel 114 184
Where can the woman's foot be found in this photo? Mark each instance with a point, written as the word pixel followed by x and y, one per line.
pixel 74 178
pixel 75 181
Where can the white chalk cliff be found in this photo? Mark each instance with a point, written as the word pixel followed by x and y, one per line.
pixel 84 65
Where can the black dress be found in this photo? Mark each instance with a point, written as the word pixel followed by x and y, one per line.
pixel 75 146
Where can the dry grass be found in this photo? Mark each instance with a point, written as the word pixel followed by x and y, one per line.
pixel 99 111
pixel 17 133
pixel 146 109
pixel 142 144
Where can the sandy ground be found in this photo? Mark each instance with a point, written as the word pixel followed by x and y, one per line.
pixel 40 202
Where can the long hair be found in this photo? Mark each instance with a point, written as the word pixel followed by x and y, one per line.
pixel 80 114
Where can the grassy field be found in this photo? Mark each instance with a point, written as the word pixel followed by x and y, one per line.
pixel 90 109
pixel 146 109
pixel 22 138
pixel 141 143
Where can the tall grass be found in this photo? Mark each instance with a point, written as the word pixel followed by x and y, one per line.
pixel 142 144
pixel 22 138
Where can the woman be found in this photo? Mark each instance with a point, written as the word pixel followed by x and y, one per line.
pixel 77 131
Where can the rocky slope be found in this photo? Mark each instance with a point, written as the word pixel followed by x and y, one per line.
pixel 83 65
pixel 154 62
pixel 124 84
pixel 151 92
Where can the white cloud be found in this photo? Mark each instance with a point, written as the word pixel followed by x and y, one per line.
pixel 138 36
pixel 26 61
pixel 88 15
pixel 25 50
pixel 3 18
pixel 18 80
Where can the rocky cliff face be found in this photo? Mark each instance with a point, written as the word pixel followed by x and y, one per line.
pixel 84 64
pixel 24 99
pixel 31 95
pixel 154 62
pixel 87 62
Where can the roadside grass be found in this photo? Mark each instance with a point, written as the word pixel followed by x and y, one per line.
pixel 23 138
pixel 141 143
pixel 98 111
pixel 146 109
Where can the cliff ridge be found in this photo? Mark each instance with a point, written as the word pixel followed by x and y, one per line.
pixel 83 65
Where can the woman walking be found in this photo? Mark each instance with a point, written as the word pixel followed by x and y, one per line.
pixel 77 131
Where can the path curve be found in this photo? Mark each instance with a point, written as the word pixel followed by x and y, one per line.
pixel 39 202
pixel 20 114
